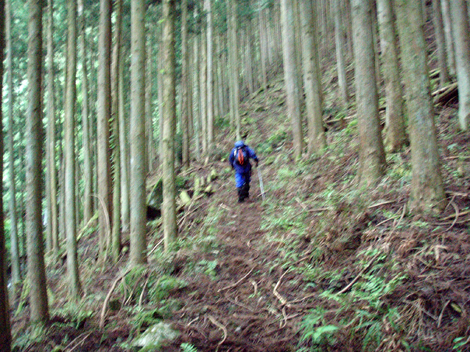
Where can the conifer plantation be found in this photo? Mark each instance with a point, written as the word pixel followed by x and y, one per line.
pixel 234 175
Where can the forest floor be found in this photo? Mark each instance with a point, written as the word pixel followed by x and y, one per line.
pixel 320 264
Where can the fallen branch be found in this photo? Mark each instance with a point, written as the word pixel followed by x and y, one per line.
pixel 141 298
pixel 78 344
pixel 456 208
pixel 277 294
pixel 221 327
pixel 445 94
pixel 155 247
pixel 236 283
pixel 320 209
pixel 379 204
pixel 105 303
pixel 451 216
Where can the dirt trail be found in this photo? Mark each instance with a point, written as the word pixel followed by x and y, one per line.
pixel 242 308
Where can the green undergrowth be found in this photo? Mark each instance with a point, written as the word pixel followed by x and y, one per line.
pixel 360 311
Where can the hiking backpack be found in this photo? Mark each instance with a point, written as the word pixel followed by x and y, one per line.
pixel 241 156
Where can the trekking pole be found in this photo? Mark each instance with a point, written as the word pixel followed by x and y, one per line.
pixel 261 183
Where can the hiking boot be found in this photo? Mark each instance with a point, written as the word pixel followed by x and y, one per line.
pixel 241 196
pixel 246 190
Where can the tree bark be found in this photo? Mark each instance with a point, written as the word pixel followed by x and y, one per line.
pixel 51 176
pixel 34 151
pixel 203 91
pixel 394 119
pixel 371 153
pixel 138 169
pixel 69 150
pixel 210 75
pixel 340 62
pixel 312 84
pixel 440 42
pixel 263 46
pixel 170 229
pixel 427 190
pixel 5 330
pixel 197 88
pixel 103 117
pixel 115 80
pixel 124 145
pixel 160 90
pixel 148 104
pixel 14 243
pixel 185 84
pixel 290 75
pixel 234 86
pixel 220 80
pixel 86 128
pixel 448 29
pixel 461 31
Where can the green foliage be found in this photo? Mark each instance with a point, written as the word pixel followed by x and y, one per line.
pixel 161 289
pixel 74 314
pixel 319 336
pixel 362 311
pixel 460 342
pixel 145 318
pixel 273 143
pixel 206 267
pixel 35 334
pixel 187 347
pixel 351 127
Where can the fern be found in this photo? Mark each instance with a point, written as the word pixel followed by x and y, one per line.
pixel 187 347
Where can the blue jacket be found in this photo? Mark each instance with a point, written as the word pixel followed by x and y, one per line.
pixel 242 169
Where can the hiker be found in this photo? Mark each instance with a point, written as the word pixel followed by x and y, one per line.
pixel 240 161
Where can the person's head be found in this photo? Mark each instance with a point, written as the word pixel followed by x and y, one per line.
pixel 239 144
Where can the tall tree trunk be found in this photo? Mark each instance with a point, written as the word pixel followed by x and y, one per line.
pixel 86 128
pixel 160 90
pixel 170 229
pixel 185 86
pixel 298 52
pixel 249 57
pixel 69 150
pixel 220 80
pixel 14 243
pixel 51 176
pixel 448 30
pixel 124 145
pixel 34 151
pixel 394 121
pixel 263 46
pixel 115 80
pixel 148 104
pixel 371 153
pixel 234 87
pixel 138 169
pixel 347 14
pixel 103 117
pixel 197 120
pixel 440 42
pixel 461 32
pixel 5 331
pixel 290 75
pixel 203 92
pixel 426 185
pixel 50 123
pixel 190 94
pixel 312 83
pixel 340 62
pixel 210 75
